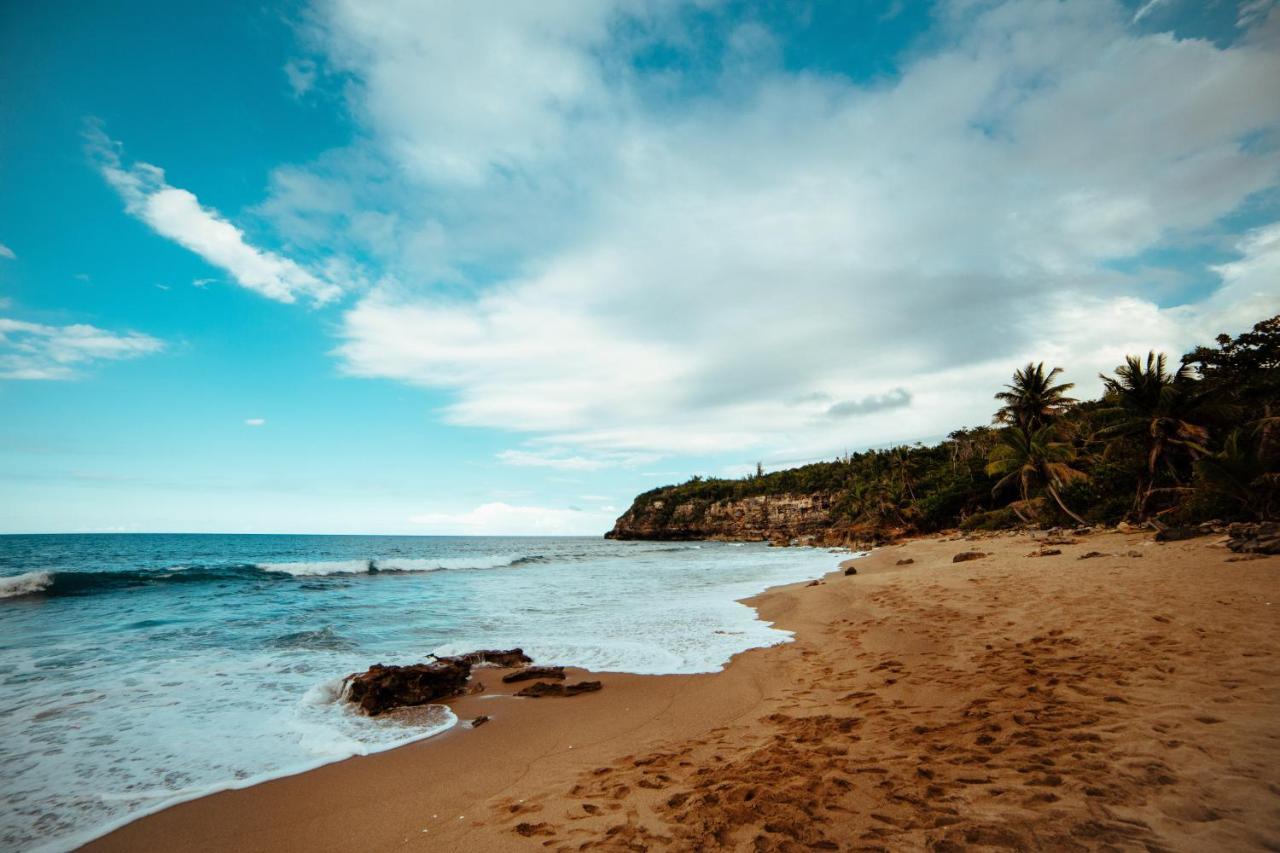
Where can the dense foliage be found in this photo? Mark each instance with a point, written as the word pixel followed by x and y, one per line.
pixel 1187 444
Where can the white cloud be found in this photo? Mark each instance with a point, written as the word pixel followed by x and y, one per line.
pixel 565 461
pixel 178 215
pixel 37 351
pixel 7 253
pixel 725 274
pixel 255 422
pixel 505 519
pixel 301 74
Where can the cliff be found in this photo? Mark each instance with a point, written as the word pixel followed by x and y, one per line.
pixel 780 518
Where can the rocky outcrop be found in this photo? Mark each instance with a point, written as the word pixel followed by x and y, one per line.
pixel 1254 538
pixel 503 658
pixel 545 688
pixel 384 688
pixel 784 519
pixel 380 689
pixel 531 672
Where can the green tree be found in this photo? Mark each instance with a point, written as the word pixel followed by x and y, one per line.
pixel 1161 411
pixel 1032 459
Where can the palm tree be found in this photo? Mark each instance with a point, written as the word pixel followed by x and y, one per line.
pixel 1034 458
pixel 1158 408
pixel 1032 399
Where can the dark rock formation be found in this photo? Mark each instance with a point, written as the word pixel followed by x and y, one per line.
pixel 384 688
pixel 479 721
pixel 1045 552
pixel 1091 555
pixel 850 570
pixel 1254 538
pixel 907 562
pixel 966 556
pixel 545 688
pixel 529 672
pixel 505 659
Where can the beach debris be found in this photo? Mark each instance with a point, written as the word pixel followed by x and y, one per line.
pixel 479 721
pixel 1091 555
pixel 384 688
pixel 966 556
pixel 501 658
pixel 905 562
pixel 850 570
pixel 1046 552
pixel 1058 540
pixel 814 583
pixel 1254 538
pixel 530 672
pixel 546 688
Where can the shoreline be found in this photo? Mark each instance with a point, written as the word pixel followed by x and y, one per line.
pixel 682 761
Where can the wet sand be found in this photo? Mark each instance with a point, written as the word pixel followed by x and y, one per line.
pixel 1124 701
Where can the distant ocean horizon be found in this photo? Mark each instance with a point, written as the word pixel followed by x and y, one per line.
pixel 140 670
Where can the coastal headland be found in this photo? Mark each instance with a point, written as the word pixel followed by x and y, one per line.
pixel 1121 693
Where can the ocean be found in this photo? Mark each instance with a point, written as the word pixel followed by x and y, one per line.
pixel 139 670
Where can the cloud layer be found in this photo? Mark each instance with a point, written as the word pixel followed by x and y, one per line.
pixel 790 262
pixel 36 351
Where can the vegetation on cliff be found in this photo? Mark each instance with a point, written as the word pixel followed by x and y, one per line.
pixel 1183 445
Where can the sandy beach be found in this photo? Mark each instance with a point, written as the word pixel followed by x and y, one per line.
pixel 1126 700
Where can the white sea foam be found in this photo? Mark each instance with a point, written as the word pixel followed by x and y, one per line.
pixel 28 584
pixel 326 567
pixel 392 564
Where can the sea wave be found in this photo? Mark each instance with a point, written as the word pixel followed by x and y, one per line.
pixel 399 565
pixel 65 583
pixel 28 584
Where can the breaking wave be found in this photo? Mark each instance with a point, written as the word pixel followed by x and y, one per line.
pixel 55 583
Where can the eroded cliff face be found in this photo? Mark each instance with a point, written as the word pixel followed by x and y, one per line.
pixel 781 519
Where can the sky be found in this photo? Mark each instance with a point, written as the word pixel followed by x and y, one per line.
pixel 380 266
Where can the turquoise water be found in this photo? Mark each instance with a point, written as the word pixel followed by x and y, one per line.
pixel 140 670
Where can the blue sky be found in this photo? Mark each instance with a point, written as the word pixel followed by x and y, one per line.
pixel 396 268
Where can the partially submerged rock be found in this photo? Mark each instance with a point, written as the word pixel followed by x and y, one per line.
pixel 1261 538
pixel 502 658
pixel 530 672
pixel 384 688
pixel 545 688
pixel 966 556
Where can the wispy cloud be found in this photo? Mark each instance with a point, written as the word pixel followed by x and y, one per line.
pixel 178 215
pixel 565 461
pixel 301 74
pixel 895 399
pixel 1147 8
pixel 37 351
pixel 7 253
pixel 506 519
pixel 255 422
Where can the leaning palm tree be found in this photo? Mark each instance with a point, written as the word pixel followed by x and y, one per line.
pixel 1031 459
pixel 1032 400
pixel 1160 409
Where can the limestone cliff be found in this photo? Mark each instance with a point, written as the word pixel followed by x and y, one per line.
pixel 781 519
